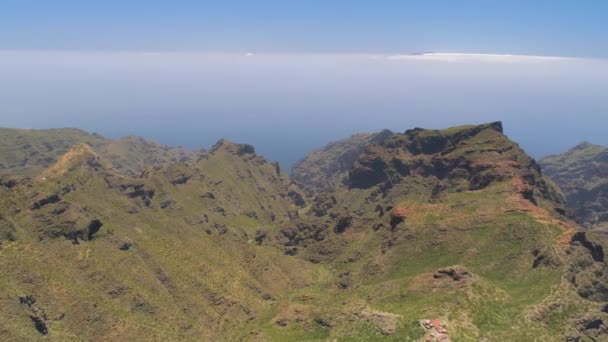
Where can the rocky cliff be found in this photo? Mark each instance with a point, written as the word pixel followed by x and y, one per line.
pixel 582 174
pixel 326 168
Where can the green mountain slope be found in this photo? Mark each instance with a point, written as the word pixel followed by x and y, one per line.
pixel 162 257
pixel 466 202
pixel 34 150
pixel 458 225
pixel 582 174
pixel 28 151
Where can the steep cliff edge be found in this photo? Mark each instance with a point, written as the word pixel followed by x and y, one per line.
pixel 582 174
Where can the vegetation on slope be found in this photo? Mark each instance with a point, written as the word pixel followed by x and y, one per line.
pixel 28 151
pixel 457 224
pixel 169 255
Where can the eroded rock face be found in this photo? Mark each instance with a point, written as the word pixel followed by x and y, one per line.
pixel 138 191
pixel 398 215
pixel 36 313
pixel 459 159
pixel 582 174
pixel 457 274
pixel 343 222
pixel 180 178
pixel 84 234
pixel 594 327
pixel 298 198
pixel 370 169
pixel 54 198
pixel 326 168
pixel 588 271
pixel 322 203
pixel 93 227
pixel 543 258
pixel 595 249
pixel 57 218
pixel 303 234
pixel 260 236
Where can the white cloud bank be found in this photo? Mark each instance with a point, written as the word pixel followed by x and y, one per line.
pixel 479 57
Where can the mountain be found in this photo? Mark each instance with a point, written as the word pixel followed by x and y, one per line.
pixel 28 151
pixel 94 254
pixel 457 225
pixel 582 174
pixel 465 201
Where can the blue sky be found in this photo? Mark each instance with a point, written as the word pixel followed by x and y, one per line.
pixel 545 27
pixel 288 76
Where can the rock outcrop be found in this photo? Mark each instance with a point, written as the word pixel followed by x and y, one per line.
pixel 458 159
pixel 582 174
pixel 326 168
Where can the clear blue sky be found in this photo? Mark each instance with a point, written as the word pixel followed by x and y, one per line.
pixel 181 72
pixel 544 27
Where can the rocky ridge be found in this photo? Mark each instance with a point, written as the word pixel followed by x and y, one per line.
pixel 29 152
pixel 582 174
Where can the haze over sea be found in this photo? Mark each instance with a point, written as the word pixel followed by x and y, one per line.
pixel 286 104
pixel 290 76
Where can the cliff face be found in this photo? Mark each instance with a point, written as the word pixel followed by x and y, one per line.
pixel 458 159
pixel 582 174
pixel 326 168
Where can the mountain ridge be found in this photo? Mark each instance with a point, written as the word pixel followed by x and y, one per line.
pixel 29 151
pixel 456 224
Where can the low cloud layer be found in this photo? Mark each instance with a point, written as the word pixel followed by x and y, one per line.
pixel 286 104
pixel 481 57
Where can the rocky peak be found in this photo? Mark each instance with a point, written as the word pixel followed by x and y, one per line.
pixel 379 137
pixel 424 141
pixel 233 148
pixel 582 146
pixel 81 155
pixel 454 159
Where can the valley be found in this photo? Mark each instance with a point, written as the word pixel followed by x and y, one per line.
pixel 131 240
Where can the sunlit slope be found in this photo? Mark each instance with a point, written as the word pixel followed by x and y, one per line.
pixel 31 151
pixel 28 151
pixel 458 225
pixel 107 256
